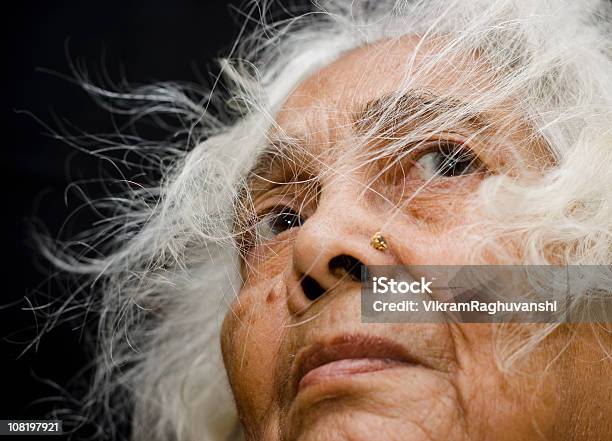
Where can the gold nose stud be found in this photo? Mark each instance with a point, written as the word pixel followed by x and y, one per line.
pixel 378 242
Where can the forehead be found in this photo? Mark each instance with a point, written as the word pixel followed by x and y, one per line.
pixel 328 98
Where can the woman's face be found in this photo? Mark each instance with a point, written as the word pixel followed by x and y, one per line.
pixel 301 363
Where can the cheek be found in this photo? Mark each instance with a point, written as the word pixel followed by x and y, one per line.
pixel 268 260
pixel 442 205
pixel 433 246
pixel 436 224
pixel 435 196
pixel 252 333
pixel 515 403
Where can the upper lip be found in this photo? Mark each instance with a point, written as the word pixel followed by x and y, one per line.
pixel 348 346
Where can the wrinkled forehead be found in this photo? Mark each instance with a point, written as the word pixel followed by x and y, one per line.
pixel 329 98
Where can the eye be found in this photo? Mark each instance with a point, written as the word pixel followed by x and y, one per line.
pixel 284 220
pixel 448 160
pixel 276 222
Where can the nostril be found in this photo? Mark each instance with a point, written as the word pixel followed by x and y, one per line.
pixel 345 265
pixel 311 288
pixel 341 267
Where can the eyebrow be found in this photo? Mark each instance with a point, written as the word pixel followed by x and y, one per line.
pixel 283 161
pixel 390 113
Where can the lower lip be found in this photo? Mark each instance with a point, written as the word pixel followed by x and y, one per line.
pixel 345 368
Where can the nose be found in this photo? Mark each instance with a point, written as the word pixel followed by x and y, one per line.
pixel 330 251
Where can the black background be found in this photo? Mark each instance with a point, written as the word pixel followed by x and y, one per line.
pixel 143 41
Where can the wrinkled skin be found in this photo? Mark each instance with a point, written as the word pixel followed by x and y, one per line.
pixel 455 390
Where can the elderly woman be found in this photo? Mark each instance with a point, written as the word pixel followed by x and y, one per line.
pixel 394 133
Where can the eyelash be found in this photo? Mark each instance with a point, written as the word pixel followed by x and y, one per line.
pixel 283 219
pixel 274 222
pixel 458 158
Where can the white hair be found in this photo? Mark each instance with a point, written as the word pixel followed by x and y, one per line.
pixel 165 266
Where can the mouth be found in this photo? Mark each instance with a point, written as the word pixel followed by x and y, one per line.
pixel 348 355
